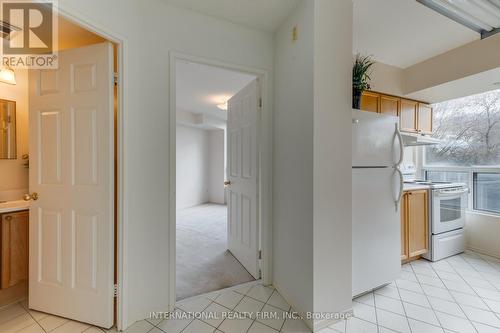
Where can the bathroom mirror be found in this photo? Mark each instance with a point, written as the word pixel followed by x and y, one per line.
pixel 8 143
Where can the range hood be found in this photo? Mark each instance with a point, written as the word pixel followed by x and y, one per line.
pixel 411 140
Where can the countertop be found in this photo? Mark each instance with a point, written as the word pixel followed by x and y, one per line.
pixel 415 187
pixel 14 206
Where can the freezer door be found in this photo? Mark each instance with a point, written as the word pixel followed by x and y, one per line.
pixel 375 140
pixel 376 237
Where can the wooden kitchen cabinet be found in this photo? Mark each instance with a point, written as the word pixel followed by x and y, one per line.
pixel 424 121
pixel 414 224
pixel 408 115
pixel 390 105
pixel 14 247
pixel 370 101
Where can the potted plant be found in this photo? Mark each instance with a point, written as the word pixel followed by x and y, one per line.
pixel 360 78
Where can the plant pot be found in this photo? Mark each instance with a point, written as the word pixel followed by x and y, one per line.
pixel 356 98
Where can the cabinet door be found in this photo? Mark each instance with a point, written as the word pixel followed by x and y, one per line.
pixel 370 101
pixel 14 248
pixel 408 115
pixel 390 105
pixel 418 229
pixel 424 122
pixel 404 226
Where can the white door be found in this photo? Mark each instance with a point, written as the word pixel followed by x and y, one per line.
pixel 71 151
pixel 243 167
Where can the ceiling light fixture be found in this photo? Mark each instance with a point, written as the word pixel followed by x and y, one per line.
pixel 7 75
pixel 482 16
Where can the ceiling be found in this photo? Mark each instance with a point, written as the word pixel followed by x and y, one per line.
pixel 404 32
pixel 200 88
pixel 264 15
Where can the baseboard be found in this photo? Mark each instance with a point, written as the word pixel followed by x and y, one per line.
pixel 322 324
pixel 482 251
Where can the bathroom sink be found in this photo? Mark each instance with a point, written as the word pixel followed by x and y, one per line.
pixel 13 206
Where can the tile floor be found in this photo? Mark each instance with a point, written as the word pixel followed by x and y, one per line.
pixel 458 294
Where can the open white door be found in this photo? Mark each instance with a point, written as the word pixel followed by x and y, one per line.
pixel 72 222
pixel 243 168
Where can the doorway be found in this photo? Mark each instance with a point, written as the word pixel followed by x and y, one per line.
pixel 72 122
pixel 217 225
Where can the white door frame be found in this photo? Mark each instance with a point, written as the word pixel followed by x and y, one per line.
pixel 265 168
pixel 94 26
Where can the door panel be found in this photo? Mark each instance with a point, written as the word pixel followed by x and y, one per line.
pixel 408 116
pixel 370 101
pixel 424 118
pixel 389 105
pixel 72 222
pixel 242 129
pixel 418 229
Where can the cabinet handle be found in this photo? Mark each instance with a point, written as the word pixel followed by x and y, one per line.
pixel 8 218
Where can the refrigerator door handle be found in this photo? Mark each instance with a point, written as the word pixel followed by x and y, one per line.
pixel 401 188
pixel 401 145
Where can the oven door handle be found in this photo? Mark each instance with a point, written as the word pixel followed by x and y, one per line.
pixel 442 193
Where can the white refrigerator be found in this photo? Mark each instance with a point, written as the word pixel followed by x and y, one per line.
pixel 377 187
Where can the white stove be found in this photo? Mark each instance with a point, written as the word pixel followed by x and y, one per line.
pixel 447 204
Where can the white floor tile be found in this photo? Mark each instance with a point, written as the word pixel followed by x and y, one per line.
pixel 214 314
pixel 35 328
pixel 367 299
pixel 365 312
pixel 420 313
pixel 229 299
pixel 72 327
pixel 456 324
pixel 249 306
pixel 461 286
pixel 275 317
pixel 388 291
pixel 261 293
pixel 197 326
pixel 414 298
pixel 421 327
pixel 488 294
pixel 50 322
pixel 235 325
pixel 410 276
pixel 278 301
pixel 481 328
pixel 339 326
pixel 177 323
pixel 194 305
pixel 16 324
pixel 10 312
pixel 448 307
pixel 355 325
pixel 427 271
pixel 437 292
pixel 430 280
pixel 481 316
pixel 393 321
pixel 259 328
pixel 471 300
pixel 298 326
pixel 409 285
pixel 389 304
pixel 493 305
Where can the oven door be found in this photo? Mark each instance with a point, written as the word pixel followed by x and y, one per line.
pixel 448 209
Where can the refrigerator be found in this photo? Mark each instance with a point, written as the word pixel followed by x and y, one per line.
pixel 377 187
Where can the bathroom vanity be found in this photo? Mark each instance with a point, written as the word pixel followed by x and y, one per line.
pixel 14 224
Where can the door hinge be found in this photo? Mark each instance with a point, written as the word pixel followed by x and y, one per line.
pixel 260 254
pixel 260 102
pixel 115 290
pixel 115 79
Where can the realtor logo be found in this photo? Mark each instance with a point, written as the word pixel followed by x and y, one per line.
pixel 29 29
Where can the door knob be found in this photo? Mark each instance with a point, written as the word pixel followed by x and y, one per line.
pixel 227 183
pixel 32 196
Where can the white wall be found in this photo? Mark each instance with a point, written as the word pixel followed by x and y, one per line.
pixel 293 160
pixel 13 175
pixel 216 167
pixel 332 237
pixel 151 30
pixel 482 232
pixel 192 166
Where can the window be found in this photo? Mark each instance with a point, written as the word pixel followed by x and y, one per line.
pixel 469 129
pixel 487 192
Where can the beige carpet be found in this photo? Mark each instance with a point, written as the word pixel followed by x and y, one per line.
pixel 203 262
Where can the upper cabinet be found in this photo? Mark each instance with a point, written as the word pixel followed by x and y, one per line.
pixel 414 116
pixel 424 121
pixel 409 110
pixel 370 101
pixel 390 105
